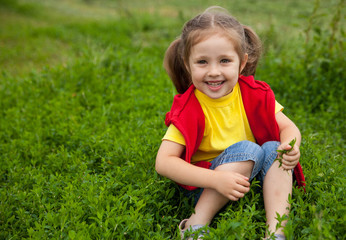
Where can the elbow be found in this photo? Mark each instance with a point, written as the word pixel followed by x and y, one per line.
pixel 162 167
pixel 299 135
pixel 158 167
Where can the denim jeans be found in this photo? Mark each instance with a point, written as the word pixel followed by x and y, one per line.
pixel 262 156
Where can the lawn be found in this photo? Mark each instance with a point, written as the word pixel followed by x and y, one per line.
pixel 83 96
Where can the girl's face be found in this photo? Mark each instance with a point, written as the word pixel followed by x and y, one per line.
pixel 214 66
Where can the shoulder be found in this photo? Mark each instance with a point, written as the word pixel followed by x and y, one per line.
pixel 254 91
pixel 250 82
pixel 185 103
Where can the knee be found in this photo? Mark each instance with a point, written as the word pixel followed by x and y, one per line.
pixel 243 167
pixel 270 146
pixel 245 150
pixel 245 146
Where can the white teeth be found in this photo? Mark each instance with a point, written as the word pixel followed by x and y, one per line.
pixel 214 84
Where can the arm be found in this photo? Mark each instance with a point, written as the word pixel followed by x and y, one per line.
pixel 288 131
pixel 169 164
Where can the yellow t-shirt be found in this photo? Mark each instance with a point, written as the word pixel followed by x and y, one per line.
pixel 225 124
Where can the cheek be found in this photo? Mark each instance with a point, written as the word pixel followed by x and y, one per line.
pixel 194 72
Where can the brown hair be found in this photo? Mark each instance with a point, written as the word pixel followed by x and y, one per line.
pixel 203 25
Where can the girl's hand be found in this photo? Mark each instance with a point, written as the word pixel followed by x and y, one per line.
pixel 291 158
pixel 288 131
pixel 231 184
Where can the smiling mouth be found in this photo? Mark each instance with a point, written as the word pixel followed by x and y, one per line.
pixel 215 84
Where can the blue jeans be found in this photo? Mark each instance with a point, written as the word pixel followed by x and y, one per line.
pixel 262 156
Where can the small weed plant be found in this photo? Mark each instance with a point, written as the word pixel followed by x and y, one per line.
pixel 284 151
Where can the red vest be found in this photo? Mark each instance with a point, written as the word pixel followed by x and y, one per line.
pixel 259 103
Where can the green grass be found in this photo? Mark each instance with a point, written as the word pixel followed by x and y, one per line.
pixel 83 98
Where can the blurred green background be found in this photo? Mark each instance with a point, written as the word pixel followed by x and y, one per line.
pixel 36 34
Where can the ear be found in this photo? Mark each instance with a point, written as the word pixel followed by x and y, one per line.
pixel 243 63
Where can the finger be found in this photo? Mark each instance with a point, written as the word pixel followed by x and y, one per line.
pixel 288 147
pixel 291 158
pixel 287 168
pixel 232 198
pixel 241 179
pixel 280 147
pixel 236 195
pixel 238 175
pixel 243 182
pixel 293 152
pixel 289 163
pixel 241 189
pixel 285 146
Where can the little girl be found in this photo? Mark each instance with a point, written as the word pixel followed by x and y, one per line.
pixel 225 127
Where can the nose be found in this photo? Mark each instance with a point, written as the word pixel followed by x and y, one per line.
pixel 214 71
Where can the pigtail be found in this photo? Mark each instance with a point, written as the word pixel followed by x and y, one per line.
pixel 175 67
pixel 253 49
